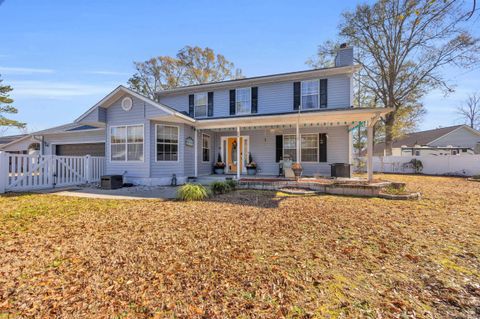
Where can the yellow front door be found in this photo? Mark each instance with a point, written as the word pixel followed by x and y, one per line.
pixel 232 154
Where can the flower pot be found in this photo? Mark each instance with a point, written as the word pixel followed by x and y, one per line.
pixel 219 170
pixel 297 171
pixel 251 171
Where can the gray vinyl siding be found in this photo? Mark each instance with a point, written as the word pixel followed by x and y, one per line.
pixel 205 168
pixel 96 136
pixel 263 148
pixel 461 137
pixel 272 97
pixel 96 115
pixel 136 116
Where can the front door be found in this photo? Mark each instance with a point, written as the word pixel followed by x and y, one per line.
pixel 229 151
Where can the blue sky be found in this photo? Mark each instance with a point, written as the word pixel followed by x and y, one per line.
pixel 61 57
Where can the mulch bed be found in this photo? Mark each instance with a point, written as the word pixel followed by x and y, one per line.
pixel 246 254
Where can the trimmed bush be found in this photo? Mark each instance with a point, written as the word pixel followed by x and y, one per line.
pixel 231 183
pixel 191 192
pixel 220 187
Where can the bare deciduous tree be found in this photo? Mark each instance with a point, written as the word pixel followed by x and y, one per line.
pixel 403 46
pixel 470 111
pixel 192 65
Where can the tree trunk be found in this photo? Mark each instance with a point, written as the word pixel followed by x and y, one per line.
pixel 389 122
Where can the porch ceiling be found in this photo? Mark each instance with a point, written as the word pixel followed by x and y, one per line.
pixel 343 117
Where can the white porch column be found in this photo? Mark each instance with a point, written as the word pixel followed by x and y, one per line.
pixel 195 146
pixel 298 142
pixel 238 153
pixel 370 151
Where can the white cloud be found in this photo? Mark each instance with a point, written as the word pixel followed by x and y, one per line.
pixel 104 72
pixel 16 70
pixel 56 90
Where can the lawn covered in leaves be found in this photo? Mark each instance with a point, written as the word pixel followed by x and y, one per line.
pixel 247 254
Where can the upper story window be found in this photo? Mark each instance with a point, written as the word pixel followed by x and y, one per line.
pixel 310 94
pixel 243 101
pixel 200 104
pixel 167 142
pixel 126 143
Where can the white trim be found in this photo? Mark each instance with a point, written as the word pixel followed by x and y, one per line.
pixel 120 88
pixel 109 137
pixel 209 148
pixel 249 100
pixel 349 115
pixel 318 94
pixel 254 81
pixel 178 142
pixel 224 158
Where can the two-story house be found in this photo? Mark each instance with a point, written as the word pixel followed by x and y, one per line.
pixel 306 115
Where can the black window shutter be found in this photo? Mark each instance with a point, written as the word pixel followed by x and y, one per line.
pixel 254 100
pixel 296 95
pixel 232 102
pixel 279 148
pixel 210 104
pixel 322 147
pixel 323 93
pixel 191 103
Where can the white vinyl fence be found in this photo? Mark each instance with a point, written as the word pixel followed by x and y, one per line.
pixel 457 165
pixel 29 172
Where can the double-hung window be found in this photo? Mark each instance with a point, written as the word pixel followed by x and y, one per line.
pixel 310 96
pixel 126 143
pixel 243 102
pixel 205 148
pixel 200 104
pixel 167 143
pixel 290 147
pixel 309 147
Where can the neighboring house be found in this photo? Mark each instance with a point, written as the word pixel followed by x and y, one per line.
pixel 307 115
pixel 20 144
pixel 452 140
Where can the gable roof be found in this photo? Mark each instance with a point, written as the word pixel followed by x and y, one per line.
pixel 112 96
pixel 422 137
pixel 6 140
pixel 289 76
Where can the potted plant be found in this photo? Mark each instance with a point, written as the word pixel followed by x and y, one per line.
pixel 251 166
pixel 297 169
pixel 219 166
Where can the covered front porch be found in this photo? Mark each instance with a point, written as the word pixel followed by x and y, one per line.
pixel 313 139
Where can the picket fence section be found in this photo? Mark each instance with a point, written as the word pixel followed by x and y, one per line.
pixel 455 165
pixel 20 172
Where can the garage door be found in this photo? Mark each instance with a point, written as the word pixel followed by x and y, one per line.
pixel 94 149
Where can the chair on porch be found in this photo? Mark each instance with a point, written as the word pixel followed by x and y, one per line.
pixel 286 167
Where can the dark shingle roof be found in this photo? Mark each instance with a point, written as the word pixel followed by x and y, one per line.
pixel 416 138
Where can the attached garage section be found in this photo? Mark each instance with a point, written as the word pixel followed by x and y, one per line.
pixel 93 149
